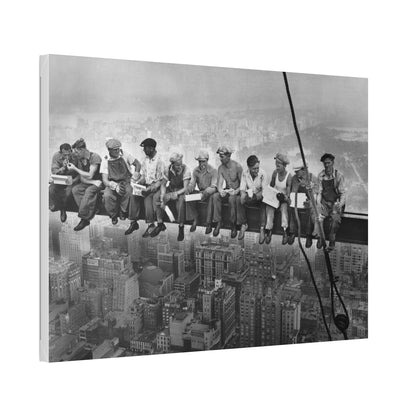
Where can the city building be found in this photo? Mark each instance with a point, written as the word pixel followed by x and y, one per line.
pixel 154 282
pixel 90 331
pixel 101 266
pixel 73 319
pixel 116 233
pixel 177 328
pixel 163 341
pixel 199 336
pixel 125 290
pixel 187 284
pixel 74 244
pixel 93 299
pixel 213 260
pixel 145 343
pixel 108 349
pixel 64 279
pixel 290 321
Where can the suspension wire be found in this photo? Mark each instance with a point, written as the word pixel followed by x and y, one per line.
pixel 309 267
pixel 341 321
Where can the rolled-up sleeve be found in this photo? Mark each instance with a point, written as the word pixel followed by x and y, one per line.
pixel 161 171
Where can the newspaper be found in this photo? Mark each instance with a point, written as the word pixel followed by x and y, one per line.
pixel 269 196
pixel 138 189
pixel 301 199
pixel 169 214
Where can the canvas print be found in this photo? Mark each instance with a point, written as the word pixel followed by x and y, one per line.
pixel 201 208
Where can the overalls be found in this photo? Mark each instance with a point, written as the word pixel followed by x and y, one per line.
pixel 119 172
pixel 301 189
pixel 86 195
pixel 329 197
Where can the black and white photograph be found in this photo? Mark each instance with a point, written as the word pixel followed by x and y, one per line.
pixel 196 208
pixel 215 196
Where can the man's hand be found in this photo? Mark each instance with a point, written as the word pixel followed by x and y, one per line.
pixel 171 196
pixel 151 188
pixel 223 193
pixel 136 176
pixel 96 182
pixel 71 166
pixel 113 185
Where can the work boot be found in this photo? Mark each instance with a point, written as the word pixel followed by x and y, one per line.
pixel 284 238
pixel 133 226
pixel 122 216
pixel 308 241
pixel 262 236
pixel 63 215
pixel 319 243
pixel 193 227
pixel 233 231
pixel 181 235
pixel 160 227
pixel 208 230
pixel 149 230
pixel 217 229
pixel 331 245
pixel 291 238
pixel 268 236
pixel 242 231
pixel 81 225
pixel 114 220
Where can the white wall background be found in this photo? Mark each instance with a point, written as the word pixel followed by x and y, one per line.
pixel 349 38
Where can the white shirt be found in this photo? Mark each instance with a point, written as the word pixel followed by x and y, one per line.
pixel 257 184
pixel 153 169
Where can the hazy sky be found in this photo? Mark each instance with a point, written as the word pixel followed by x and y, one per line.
pixel 106 85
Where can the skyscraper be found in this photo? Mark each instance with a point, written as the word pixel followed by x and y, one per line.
pixel 125 290
pixel 290 321
pixel 74 244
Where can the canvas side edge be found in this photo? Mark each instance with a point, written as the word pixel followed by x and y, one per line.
pixel 43 202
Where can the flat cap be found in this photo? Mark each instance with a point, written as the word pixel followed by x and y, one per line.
pixel 202 155
pixel 298 165
pixel 224 149
pixel 175 157
pixel 113 144
pixel 80 143
pixel 148 142
pixel 327 156
pixel 282 158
